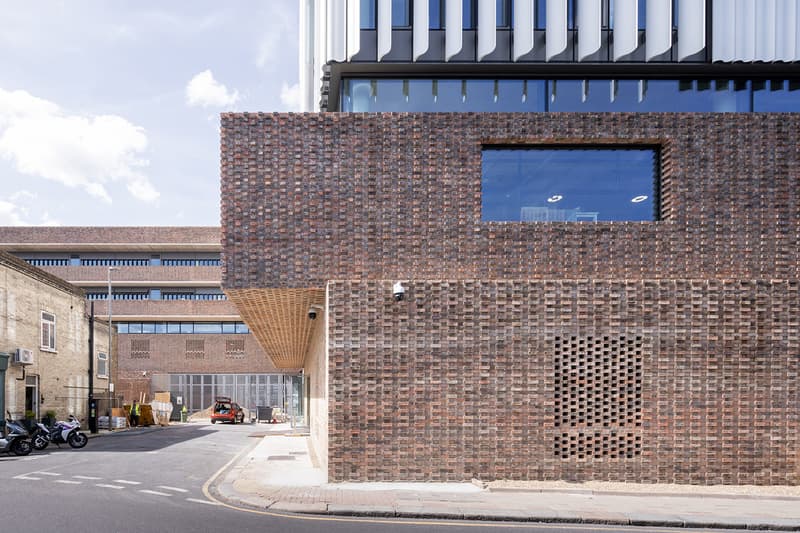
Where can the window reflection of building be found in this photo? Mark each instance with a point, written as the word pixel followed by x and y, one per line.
pixel 552 214
pixel 596 95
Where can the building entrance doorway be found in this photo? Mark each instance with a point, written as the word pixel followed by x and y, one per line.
pixel 32 396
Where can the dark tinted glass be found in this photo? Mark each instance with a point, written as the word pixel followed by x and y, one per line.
pixel 442 95
pixel 646 95
pixel 436 14
pixel 566 184
pixel 777 96
pixel 468 14
pixel 503 10
pixel 367 13
pixel 384 94
pixel 401 13
pixel 541 19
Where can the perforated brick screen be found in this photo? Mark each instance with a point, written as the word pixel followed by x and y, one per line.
pixel 140 348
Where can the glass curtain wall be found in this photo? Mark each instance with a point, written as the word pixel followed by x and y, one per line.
pixel 569 95
pixel 248 390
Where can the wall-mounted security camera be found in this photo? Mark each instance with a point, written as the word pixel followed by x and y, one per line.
pixel 313 311
pixel 398 291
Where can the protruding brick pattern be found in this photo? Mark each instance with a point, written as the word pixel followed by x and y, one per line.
pixel 312 197
pixel 458 381
pixel 140 349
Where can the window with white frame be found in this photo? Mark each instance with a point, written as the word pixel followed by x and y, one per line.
pixel 48 331
pixel 102 365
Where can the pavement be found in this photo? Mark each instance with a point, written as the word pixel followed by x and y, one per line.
pixel 278 474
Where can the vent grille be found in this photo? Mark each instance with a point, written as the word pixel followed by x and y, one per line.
pixel 598 395
pixel 140 348
pixel 195 348
pixel 234 348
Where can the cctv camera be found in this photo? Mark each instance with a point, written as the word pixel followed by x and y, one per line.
pixel 312 311
pixel 398 291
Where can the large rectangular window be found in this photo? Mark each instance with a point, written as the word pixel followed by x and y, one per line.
pixel 549 183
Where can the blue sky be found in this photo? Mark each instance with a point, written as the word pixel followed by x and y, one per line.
pixel 109 110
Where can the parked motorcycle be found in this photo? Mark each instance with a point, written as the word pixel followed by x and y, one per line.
pixel 15 438
pixel 61 432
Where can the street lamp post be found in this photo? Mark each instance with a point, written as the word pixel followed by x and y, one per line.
pixel 108 362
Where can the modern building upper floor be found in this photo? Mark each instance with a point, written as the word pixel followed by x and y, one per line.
pixel 550 55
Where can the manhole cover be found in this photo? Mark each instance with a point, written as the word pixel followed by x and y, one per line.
pixel 280 458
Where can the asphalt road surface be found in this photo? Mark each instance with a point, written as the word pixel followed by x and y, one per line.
pixel 153 482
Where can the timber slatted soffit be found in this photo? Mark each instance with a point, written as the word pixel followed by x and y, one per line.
pixel 278 318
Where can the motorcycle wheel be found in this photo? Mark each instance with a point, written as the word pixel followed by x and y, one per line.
pixel 21 447
pixel 40 442
pixel 77 439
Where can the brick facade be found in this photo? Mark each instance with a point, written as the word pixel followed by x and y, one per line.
pixel 391 195
pixel 642 351
pixel 647 381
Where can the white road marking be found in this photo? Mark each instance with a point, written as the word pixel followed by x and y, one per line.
pixel 107 486
pixel 155 492
pixel 176 489
pixel 90 478
pixel 152 452
pixel 194 500
pixel 126 482
pixel 34 457
pixel 68 481
pixel 47 473
pixel 23 476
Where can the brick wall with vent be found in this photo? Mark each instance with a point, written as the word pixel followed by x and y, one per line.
pixel 677 363
pixel 646 381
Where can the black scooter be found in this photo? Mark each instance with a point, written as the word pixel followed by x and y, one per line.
pixel 14 438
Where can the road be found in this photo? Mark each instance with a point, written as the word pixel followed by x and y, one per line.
pixel 153 482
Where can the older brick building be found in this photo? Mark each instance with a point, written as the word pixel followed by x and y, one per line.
pixel 177 331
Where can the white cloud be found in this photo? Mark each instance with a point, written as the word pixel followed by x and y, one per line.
pixel 278 40
pixel 291 97
pixel 204 91
pixel 16 211
pixel 77 151
pixel 10 214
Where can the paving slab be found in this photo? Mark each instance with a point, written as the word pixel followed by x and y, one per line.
pixel 264 478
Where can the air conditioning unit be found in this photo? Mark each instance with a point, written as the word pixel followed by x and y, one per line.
pixel 23 356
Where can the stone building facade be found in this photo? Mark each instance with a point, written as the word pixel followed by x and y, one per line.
pixel 659 351
pixel 47 316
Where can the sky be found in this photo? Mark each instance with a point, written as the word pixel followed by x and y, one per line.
pixel 109 109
